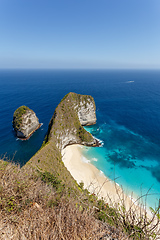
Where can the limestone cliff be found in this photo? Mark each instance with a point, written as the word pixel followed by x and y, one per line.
pixel 25 122
pixel 66 127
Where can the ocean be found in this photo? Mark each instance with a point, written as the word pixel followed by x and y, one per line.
pixel 128 120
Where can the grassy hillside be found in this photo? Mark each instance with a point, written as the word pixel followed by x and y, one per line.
pixel 37 206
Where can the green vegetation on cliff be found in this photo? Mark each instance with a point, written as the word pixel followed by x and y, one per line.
pixel 65 122
pixel 25 122
pixel 17 116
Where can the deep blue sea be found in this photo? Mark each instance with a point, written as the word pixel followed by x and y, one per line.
pixel 128 119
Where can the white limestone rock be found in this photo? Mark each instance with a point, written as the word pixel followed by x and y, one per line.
pixel 66 126
pixel 25 122
pixel 86 113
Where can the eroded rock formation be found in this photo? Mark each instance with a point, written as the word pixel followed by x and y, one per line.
pixel 86 112
pixel 25 122
pixel 66 128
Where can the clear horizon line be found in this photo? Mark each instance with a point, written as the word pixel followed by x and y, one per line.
pixel 80 68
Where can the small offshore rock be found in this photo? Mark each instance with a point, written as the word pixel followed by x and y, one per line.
pixel 25 122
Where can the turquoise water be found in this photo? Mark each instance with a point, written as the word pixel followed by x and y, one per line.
pixel 128 119
pixel 128 159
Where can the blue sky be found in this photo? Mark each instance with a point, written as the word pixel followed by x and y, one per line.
pixel 80 34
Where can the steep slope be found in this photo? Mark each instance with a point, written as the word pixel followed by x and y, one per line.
pixel 66 125
pixel 65 128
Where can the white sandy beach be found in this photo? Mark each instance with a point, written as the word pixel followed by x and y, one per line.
pixel 94 180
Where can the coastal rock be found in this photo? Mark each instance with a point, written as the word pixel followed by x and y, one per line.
pixel 86 112
pixel 25 122
pixel 65 127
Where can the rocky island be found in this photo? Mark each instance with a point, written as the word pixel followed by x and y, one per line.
pixel 25 122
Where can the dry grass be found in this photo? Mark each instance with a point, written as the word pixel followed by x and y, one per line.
pixel 38 206
pixel 32 209
pixel 65 222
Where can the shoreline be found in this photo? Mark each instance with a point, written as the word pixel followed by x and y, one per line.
pixel 24 139
pixel 94 180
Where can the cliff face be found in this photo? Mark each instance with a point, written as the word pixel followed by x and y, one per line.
pixel 25 122
pixel 86 112
pixel 65 126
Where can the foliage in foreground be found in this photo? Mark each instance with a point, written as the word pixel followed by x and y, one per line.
pixel 37 205
pixel 33 207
